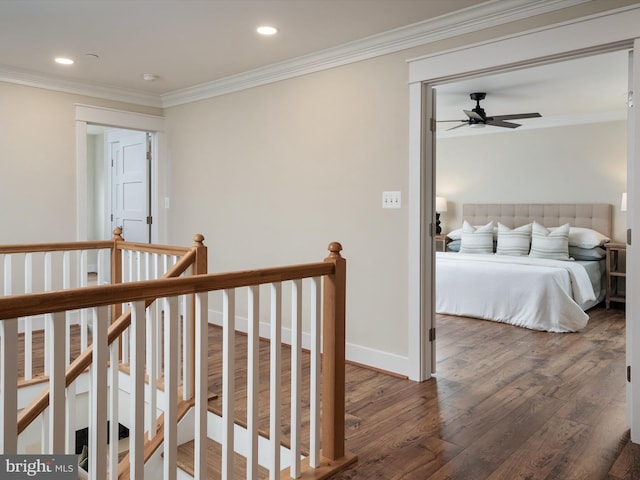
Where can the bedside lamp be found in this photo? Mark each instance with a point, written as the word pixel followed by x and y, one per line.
pixel 441 206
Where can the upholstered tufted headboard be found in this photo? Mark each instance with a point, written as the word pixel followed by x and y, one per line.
pixel 596 216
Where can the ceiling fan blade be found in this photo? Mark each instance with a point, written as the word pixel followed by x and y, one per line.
pixel 500 123
pixel 473 115
pixel 516 116
pixel 465 120
pixel 464 124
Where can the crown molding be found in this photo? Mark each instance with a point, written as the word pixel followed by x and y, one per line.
pixel 465 21
pixel 30 79
pixel 469 20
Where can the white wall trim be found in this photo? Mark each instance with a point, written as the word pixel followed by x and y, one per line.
pixel 119 118
pixel 88 114
pixel 465 21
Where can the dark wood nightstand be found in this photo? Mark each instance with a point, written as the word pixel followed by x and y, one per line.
pixel 616 273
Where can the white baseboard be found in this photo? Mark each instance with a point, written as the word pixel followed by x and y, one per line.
pixel 366 356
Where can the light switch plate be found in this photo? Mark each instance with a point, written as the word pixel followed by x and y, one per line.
pixel 391 199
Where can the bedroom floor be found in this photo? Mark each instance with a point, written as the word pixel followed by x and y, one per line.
pixel 507 403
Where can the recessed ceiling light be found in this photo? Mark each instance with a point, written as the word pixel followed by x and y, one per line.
pixel 266 30
pixel 64 61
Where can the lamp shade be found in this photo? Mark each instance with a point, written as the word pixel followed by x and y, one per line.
pixel 623 202
pixel 441 204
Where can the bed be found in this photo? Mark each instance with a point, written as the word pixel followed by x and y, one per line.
pixel 535 289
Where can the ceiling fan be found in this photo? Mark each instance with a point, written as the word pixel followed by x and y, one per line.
pixel 478 118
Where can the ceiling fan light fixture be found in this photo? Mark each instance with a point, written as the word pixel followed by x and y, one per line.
pixel 477 125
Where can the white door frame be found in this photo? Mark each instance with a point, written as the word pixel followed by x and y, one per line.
pixel 86 114
pixel 596 34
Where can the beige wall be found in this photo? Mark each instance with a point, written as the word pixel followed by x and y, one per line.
pixel 573 164
pixel 273 174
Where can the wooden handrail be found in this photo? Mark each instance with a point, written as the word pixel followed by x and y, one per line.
pixel 150 248
pixel 60 301
pixel 55 247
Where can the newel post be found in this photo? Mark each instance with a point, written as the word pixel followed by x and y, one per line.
pixel 199 267
pixel 333 357
pixel 116 269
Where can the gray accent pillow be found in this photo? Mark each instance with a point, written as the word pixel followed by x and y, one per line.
pixel 550 244
pixel 514 241
pixel 477 239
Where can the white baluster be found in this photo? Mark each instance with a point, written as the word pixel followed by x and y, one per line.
pixel 127 273
pixel 98 430
pixel 9 385
pixel 8 275
pixel 139 269
pixel 84 314
pixel 228 380
pixel 253 378
pixel 151 404
pixel 114 360
pixel 275 382
pixel 314 423
pixel 28 321
pixel 201 386
pixel 57 383
pixel 158 320
pixel 66 284
pixel 152 371
pixel 187 358
pixel 48 286
pixel 101 267
pixel 136 437
pixel 70 414
pixel 296 375
pixel 170 388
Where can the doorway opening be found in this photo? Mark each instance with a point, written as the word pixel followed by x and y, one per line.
pixel 119 173
pixel 575 153
pixel 94 187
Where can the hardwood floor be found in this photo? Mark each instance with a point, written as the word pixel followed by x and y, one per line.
pixel 506 403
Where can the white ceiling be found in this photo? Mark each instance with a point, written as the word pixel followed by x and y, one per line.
pixel 191 43
pixel 580 90
pixel 188 42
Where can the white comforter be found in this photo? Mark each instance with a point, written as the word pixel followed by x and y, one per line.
pixel 528 292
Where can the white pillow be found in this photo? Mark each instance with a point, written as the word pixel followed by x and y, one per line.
pixel 516 241
pixel 457 233
pixel 546 243
pixel 586 238
pixel 476 239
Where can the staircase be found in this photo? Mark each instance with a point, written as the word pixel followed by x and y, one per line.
pixel 144 336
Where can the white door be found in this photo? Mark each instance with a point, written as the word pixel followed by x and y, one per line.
pixel 130 160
